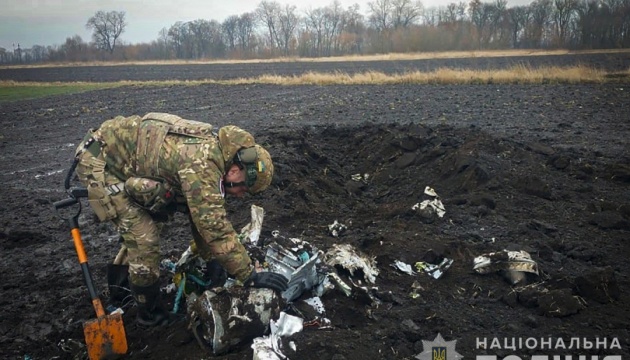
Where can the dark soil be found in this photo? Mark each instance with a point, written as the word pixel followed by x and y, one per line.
pixel 612 62
pixel 539 168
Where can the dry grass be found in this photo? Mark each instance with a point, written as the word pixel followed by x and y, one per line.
pixel 519 74
pixel 516 75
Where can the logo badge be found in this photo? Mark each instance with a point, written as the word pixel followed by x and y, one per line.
pixel 439 353
pixel 438 349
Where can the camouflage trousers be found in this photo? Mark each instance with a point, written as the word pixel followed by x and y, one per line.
pixel 140 232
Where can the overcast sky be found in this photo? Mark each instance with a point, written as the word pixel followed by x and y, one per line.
pixel 50 22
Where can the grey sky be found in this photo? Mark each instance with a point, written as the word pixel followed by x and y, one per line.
pixel 50 22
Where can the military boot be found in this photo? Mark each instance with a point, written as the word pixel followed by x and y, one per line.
pixel 118 284
pixel 151 310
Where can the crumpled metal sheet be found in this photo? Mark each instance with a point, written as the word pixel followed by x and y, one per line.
pixel 299 270
pixel 435 205
pixel 251 231
pixel 513 265
pixel 222 318
pixel 287 325
pixel 406 268
pixel 347 257
pixel 505 260
pixel 269 347
pixel 345 288
pixel 433 270
pixel 264 349
pixel 282 261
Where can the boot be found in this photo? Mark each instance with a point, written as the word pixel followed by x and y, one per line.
pixel 151 310
pixel 215 273
pixel 118 283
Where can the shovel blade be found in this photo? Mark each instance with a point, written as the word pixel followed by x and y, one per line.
pixel 105 337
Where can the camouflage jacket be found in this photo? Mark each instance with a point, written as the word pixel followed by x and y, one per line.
pixel 193 160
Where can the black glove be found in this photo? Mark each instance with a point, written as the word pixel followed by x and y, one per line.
pixel 266 279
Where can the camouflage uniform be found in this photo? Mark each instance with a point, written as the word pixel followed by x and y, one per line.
pixel 190 160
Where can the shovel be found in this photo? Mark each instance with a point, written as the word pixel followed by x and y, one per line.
pixel 105 336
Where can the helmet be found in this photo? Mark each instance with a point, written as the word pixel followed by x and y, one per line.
pixel 258 168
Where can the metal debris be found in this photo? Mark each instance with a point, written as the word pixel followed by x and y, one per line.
pixel 317 304
pixel 336 228
pixel 286 325
pixel 251 231
pixel 348 258
pixel 435 271
pixel 300 270
pixel 415 290
pixel 222 318
pixel 340 283
pixel 363 178
pixel 270 347
pixel 71 345
pixel 434 205
pixel 512 264
pixel 406 268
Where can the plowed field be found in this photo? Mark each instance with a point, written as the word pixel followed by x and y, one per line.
pixel 538 168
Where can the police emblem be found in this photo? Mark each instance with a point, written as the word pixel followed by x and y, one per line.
pixel 438 352
pixel 438 349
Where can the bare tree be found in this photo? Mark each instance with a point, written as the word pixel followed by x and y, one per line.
pixel 288 21
pixel 38 53
pixel 562 16
pixel 541 14
pixel 389 25
pixel 106 28
pixel 198 38
pixel 177 35
pixel 245 31
pixel 161 46
pixel 268 13
pixel 229 27
pixel 481 17
pixel 74 49
pixel 499 23
pixel 586 15
pixel 333 16
pixel 449 14
pixel 405 12
pixel 519 17
pixel 314 21
pixel 614 23
pixel 431 16
pixel 380 14
pixel 353 29
pixel 215 46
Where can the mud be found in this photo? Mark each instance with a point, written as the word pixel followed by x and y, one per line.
pixel 539 168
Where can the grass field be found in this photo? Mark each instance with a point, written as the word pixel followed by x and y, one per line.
pixel 11 91
pixel 520 74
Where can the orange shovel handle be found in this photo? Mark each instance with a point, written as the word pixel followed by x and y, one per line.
pixel 78 245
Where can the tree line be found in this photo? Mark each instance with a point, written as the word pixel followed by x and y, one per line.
pixel 275 30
